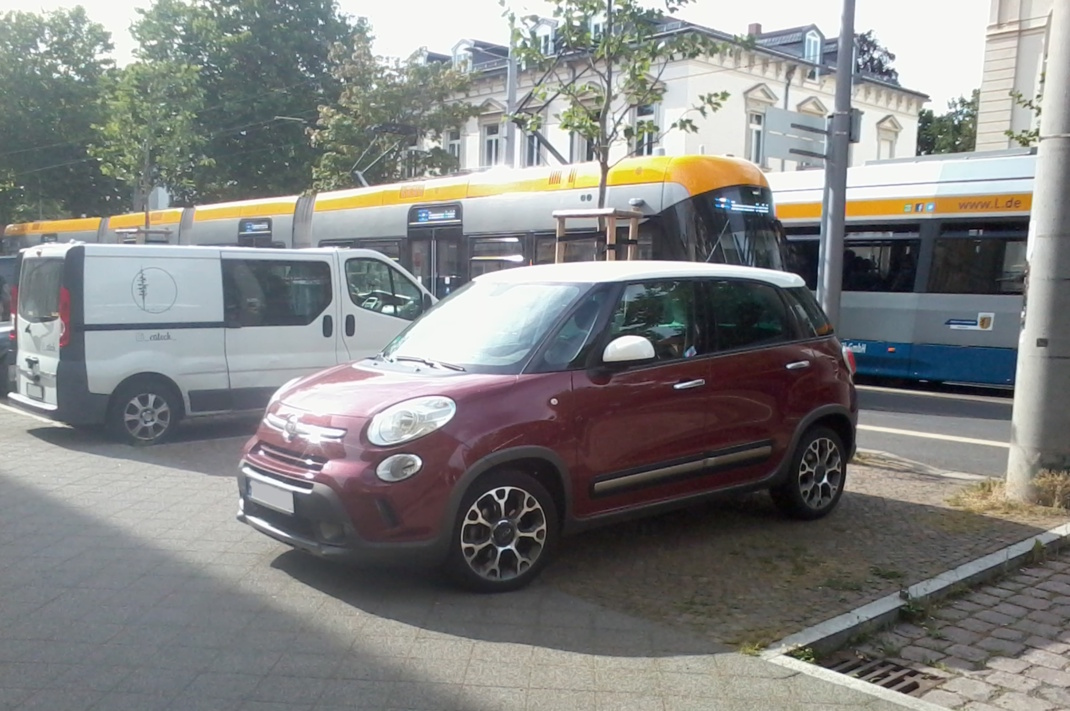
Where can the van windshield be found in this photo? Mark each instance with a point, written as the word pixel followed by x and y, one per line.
pixel 486 327
pixel 39 290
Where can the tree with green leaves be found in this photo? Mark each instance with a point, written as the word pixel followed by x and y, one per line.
pixel 52 66
pixel 608 59
pixel 390 118
pixel 874 58
pixel 264 73
pixel 951 132
pixel 149 134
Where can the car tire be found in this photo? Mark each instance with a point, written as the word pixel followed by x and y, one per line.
pixel 144 411
pixel 506 528
pixel 816 476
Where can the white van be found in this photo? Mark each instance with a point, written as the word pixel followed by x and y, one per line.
pixel 137 337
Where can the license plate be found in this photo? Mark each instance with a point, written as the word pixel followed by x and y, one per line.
pixel 35 391
pixel 271 496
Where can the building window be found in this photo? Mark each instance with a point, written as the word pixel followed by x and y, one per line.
pixel 886 147
pixel 453 146
pixel 583 151
pixel 532 150
pixel 491 144
pixel 546 43
pixel 645 145
pixel 756 137
pixel 812 50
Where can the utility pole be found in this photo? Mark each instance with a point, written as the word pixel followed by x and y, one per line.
pixel 1040 420
pixel 835 198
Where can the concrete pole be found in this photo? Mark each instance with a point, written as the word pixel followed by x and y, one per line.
pixel 510 106
pixel 832 221
pixel 1040 421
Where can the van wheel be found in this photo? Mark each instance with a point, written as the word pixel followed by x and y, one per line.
pixel 506 529
pixel 144 411
pixel 816 478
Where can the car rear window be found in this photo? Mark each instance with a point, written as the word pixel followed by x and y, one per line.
pixel 811 316
pixel 39 289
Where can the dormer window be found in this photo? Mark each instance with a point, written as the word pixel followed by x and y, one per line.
pixel 546 41
pixel 812 49
pixel 597 25
pixel 462 60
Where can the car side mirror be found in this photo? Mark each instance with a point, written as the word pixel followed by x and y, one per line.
pixel 627 350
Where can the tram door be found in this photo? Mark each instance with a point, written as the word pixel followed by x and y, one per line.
pixel 435 244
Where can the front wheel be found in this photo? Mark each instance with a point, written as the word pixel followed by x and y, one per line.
pixel 505 530
pixel 816 478
pixel 144 411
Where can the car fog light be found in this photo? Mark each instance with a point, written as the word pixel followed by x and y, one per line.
pixel 330 531
pixel 398 467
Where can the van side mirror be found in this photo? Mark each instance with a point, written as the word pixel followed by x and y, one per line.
pixel 427 303
pixel 627 350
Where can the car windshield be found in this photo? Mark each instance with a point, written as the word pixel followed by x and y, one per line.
pixel 486 326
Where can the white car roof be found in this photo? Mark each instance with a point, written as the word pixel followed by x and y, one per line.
pixel 599 272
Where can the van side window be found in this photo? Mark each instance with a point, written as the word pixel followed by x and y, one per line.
pixel 376 286
pixel 748 315
pixel 262 292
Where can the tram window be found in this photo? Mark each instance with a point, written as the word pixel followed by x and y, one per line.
pixel 577 249
pixel 495 254
pixel 887 266
pixel 977 266
pixel 391 248
pixel 802 259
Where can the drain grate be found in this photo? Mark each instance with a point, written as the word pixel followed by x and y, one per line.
pixel 883 673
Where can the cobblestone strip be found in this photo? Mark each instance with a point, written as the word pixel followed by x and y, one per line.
pixel 1005 645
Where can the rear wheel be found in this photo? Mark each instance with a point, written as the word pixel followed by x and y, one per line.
pixel 144 411
pixel 817 476
pixel 505 530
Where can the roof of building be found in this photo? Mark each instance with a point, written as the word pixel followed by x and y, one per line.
pixel 788 43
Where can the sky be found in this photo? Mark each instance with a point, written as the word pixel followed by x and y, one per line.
pixel 939 44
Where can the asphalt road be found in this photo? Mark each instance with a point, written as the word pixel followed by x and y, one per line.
pixel 957 430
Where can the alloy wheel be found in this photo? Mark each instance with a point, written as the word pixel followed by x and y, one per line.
pixel 503 533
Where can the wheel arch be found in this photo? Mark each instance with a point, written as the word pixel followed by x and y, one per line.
pixel 541 463
pixel 149 375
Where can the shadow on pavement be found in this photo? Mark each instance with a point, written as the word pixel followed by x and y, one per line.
pixel 735 572
pixel 907 402
pixel 207 446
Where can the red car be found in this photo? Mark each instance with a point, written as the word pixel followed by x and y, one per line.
pixel 540 401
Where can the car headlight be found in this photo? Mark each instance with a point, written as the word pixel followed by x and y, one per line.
pixel 275 395
pixel 410 420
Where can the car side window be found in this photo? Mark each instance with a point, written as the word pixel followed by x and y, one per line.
pixel 572 343
pixel 376 286
pixel 664 313
pixel 747 315
pixel 263 292
pixel 811 316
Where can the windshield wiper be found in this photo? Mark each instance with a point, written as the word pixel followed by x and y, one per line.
pixel 428 362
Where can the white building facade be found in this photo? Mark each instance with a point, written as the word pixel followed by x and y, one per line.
pixel 1015 53
pixel 790 69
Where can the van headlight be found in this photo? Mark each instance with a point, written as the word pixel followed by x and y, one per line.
pixel 410 420
pixel 275 395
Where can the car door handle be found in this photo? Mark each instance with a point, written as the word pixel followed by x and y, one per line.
pixel 351 325
pixel 328 326
pixel 798 365
pixel 688 384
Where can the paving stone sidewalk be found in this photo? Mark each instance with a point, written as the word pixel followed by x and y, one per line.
pixel 1003 646
pixel 125 583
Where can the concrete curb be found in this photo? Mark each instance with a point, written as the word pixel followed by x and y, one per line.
pixel 833 634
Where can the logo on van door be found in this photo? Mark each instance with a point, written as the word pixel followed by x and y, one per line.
pixel 154 290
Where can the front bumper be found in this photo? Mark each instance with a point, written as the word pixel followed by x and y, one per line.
pixel 319 524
